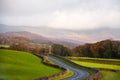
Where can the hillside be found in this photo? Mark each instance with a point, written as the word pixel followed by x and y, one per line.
pixel 26 34
pixel 40 39
pixel 23 44
pixel 17 65
pixel 13 39
pixel 103 49
pixel 74 36
pixel 108 67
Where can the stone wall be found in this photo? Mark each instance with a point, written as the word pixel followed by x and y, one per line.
pixel 96 76
pixel 45 61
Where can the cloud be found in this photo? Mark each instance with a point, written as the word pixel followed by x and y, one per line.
pixel 85 20
pixel 68 14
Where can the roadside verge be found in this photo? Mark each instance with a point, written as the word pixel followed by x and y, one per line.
pixel 46 62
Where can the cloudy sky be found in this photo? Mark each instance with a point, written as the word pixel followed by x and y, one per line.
pixel 67 14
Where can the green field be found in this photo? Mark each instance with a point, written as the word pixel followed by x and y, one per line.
pixel 88 58
pixel 98 65
pixel 110 75
pixel 107 74
pixel 17 65
pixel 97 60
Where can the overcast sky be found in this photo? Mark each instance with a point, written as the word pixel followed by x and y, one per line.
pixel 67 14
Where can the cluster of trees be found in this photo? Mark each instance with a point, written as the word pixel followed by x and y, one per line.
pixel 24 44
pixel 61 50
pixel 102 49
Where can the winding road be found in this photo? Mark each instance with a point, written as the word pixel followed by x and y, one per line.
pixel 78 74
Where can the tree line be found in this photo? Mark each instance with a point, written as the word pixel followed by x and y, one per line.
pixel 24 44
pixel 103 49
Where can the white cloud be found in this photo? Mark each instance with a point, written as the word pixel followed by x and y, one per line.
pixel 86 20
pixel 70 14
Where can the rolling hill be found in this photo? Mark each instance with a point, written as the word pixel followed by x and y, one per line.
pixel 39 38
pixel 66 36
pixel 18 65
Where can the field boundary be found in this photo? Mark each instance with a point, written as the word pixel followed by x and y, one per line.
pixel 45 61
pixel 96 76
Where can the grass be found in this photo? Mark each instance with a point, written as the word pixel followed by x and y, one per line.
pixel 90 71
pixel 65 76
pixel 97 65
pixel 69 74
pixel 17 65
pixel 107 74
pixel 97 60
pixel 88 58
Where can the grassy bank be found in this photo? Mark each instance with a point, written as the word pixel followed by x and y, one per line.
pixel 110 75
pixel 97 60
pixel 107 74
pixel 97 65
pixel 70 64
pixel 17 65
pixel 65 76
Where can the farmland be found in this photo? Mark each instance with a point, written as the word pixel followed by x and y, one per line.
pixel 97 60
pixel 98 65
pixel 17 65
pixel 105 68
pixel 110 75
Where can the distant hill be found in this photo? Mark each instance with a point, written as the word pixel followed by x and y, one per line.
pixel 38 38
pixel 26 34
pixel 9 40
pixel 66 36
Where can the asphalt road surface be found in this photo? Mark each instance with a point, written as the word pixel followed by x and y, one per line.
pixel 78 74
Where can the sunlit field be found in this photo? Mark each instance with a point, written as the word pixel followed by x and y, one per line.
pixel 17 65
pixel 97 65
pixel 107 74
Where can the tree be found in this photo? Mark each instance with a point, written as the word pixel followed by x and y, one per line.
pixel 61 50
pixel 103 49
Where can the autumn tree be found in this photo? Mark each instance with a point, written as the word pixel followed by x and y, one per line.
pixel 103 49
